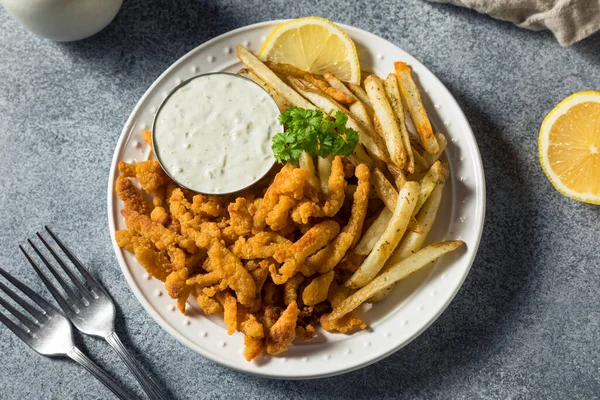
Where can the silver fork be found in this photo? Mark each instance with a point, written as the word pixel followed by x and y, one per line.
pixel 87 305
pixel 48 332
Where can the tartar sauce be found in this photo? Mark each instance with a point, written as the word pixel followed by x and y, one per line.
pixel 213 134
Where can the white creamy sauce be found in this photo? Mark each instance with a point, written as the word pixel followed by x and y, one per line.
pixel 213 134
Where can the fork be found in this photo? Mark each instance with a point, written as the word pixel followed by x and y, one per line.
pixel 48 332
pixel 87 305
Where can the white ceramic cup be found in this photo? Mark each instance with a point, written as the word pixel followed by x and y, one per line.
pixel 63 20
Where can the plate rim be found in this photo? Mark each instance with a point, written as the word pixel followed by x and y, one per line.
pixel 150 309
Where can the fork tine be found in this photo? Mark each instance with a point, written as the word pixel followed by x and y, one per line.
pixel 55 293
pixel 16 329
pixel 83 270
pixel 85 291
pixel 71 295
pixel 47 308
pixel 29 324
pixel 35 313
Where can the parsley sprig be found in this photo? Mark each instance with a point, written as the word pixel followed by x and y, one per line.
pixel 314 132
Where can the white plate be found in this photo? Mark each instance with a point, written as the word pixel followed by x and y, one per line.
pixel 393 323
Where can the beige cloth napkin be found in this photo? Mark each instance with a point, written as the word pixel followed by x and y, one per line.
pixel 569 20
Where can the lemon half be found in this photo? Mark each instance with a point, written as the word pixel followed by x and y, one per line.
pixel 315 45
pixel 569 146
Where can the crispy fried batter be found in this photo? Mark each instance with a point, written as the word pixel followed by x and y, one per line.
pixel 277 218
pixel 317 290
pixel 334 199
pixel 231 270
pixel 290 289
pixel 283 332
pixel 206 206
pixel 209 305
pixel 148 173
pixel 344 324
pixel 305 332
pixel 253 348
pixel 240 217
pixel 262 245
pixel 290 182
pixel 132 200
pixel 177 288
pixel 293 257
pixel 230 311
pixel 160 215
pixel 155 262
pixel 326 259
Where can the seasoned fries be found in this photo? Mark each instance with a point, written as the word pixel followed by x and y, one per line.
pixel 393 94
pixel 412 98
pixel 390 238
pixel 393 275
pixel 271 79
pixel 311 242
pixel 385 120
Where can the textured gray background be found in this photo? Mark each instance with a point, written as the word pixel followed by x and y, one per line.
pixel 524 325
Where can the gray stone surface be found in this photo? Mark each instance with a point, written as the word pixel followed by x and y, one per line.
pixel 524 325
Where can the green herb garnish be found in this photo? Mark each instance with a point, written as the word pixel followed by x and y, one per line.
pixel 314 132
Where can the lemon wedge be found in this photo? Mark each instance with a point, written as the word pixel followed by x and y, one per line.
pixel 569 146
pixel 315 45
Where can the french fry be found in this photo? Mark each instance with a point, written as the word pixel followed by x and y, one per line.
pixel 413 241
pixel 373 233
pixel 271 79
pixel 325 103
pixel 393 94
pixel 396 272
pixel 384 189
pixel 283 69
pixel 324 167
pixel 361 114
pixel 306 161
pixel 399 177
pixel 390 238
pixel 385 116
pixel 334 82
pixel 436 174
pixel 412 98
pixel 430 159
pixel 420 162
pixel 334 93
pixel 281 102
pixel 361 94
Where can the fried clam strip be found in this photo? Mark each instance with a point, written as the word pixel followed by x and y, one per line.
pixel 262 245
pixel 394 274
pixel 240 217
pixel 412 99
pixel 132 200
pixel 317 289
pixel 334 199
pixel 156 232
pixel 337 294
pixel 290 181
pixel 148 173
pixel 201 234
pixel 325 103
pixel 176 286
pixel 281 102
pixel 327 258
pixel 283 332
pixel 294 256
pixel 386 244
pixel 232 272
pixel 271 79
pixel 157 263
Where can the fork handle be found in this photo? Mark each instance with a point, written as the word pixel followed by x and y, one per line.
pixel 149 386
pixel 77 355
